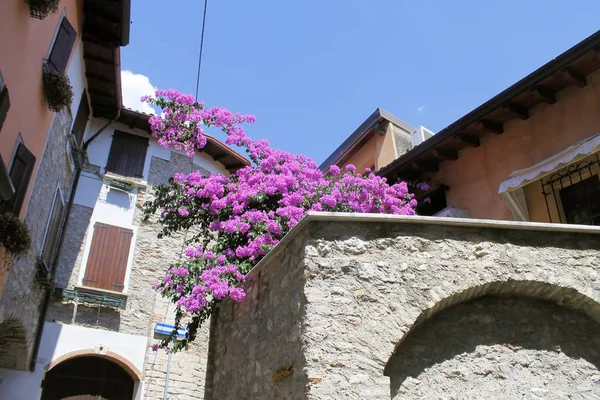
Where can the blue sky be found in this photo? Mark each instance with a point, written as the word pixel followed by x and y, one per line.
pixel 311 71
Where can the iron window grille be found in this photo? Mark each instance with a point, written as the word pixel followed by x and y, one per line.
pixel 575 193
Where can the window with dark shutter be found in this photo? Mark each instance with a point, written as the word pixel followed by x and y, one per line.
pixel 107 260
pixel 52 228
pixel 83 114
pixel 4 105
pixel 61 50
pixel 127 155
pixel 20 174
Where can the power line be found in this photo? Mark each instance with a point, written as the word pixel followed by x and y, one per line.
pixel 201 47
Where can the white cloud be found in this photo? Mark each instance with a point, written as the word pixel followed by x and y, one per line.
pixel 133 87
pixel 421 109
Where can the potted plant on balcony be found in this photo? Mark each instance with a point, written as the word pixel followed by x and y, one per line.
pixel 119 183
pixel 40 9
pixel 14 236
pixel 58 90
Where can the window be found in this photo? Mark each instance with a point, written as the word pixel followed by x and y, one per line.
pixel 83 114
pixel 52 228
pixel 581 201
pixel 107 259
pixel 61 49
pixel 572 193
pixel 6 187
pixel 127 155
pixel 20 174
pixel 433 202
pixel 4 102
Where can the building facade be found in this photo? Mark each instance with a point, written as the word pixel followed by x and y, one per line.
pixel 359 306
pixel 502 301
pixel 529 154
pixel 101 320
pixel 39 149
pixel 378 141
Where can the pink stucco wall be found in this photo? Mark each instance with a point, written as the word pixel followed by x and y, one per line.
pixel 24 45
pixel 475 177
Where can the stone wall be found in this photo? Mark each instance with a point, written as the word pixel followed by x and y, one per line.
pixel 365 283
pixel 253 339
pixel 23 296
pixel 496 347
pixel 153 255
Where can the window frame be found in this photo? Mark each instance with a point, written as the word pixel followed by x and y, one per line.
pixel 57 195
pixel 4 101
pixel 560 194
pixel 84 100
pixel 112 154
pixel 48 61
pixel 554 183
pixel 28 173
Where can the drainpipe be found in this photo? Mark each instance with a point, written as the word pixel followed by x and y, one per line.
pixel 48 297
pixel 165 397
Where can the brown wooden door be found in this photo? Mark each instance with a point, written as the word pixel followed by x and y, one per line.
pixel 107 260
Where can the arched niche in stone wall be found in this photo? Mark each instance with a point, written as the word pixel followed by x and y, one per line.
pixel 13 345
pixel 504 340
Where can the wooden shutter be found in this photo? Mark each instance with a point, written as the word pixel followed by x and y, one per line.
pixel 127 155
pixel 107 259
pixel 83 114
pixel 61 50
pixel 4 105
pixel 52 229
pixel 20 174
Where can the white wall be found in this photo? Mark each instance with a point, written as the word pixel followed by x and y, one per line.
pixel 112 206
pixel 76 74
pixel 58 340
pixel 100 147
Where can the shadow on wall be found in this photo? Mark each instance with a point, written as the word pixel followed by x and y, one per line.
pixel 495 347
pixel 120 199
pixel 13 345
pixel 91 317
pixel 72 249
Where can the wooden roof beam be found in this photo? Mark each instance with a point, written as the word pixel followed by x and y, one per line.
pixel 447 155
pixel 468 140
pixel 99 96
pixel 220 157
pixel 545 94
pixel 492 126
pixel 87 56
pixel 574 77
pixel 517 111
pixel 99 78
pixel 106 112
pixel 426 166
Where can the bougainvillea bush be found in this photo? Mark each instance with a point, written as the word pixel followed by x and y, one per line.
pixel 238 219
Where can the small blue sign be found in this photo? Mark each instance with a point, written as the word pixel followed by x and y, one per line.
pixel 166 329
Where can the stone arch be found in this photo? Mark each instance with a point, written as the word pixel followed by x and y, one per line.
pixel 118 359
pixel 13 345
pixel 440 339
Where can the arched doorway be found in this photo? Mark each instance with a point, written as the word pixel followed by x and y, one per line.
pixel 88 378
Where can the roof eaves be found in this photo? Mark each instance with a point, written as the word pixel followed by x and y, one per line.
pixel 125 111
pixel 359 133
pixel 528 82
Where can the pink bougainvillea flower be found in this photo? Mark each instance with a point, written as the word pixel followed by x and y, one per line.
pixel 239 218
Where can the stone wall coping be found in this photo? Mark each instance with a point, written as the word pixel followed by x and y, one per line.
pixel 314 216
